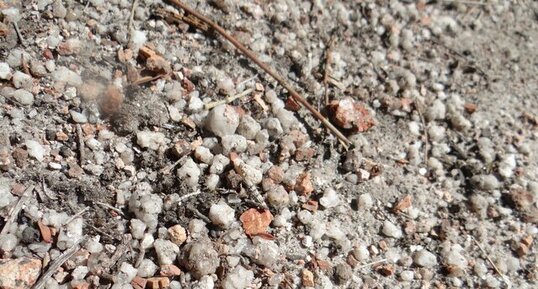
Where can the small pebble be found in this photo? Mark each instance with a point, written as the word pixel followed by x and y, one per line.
pixel 35 150
pixel 391 230
pixel 22 80
pixel 330 198
pixel 238 278
pixel 189 173
pixel 248 127
pixel 5 71
pixel 23 97
pixel 425 258
pixel 166 251
pixel 222 120
pixel 201 258
pixel 147 268
pixel 150 140
pixel 221 214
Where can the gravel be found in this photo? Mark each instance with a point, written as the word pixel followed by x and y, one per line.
pixel 424 258
pixel 165 148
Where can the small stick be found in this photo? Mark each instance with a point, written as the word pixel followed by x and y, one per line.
pixel 328 63
pixel 66 255
pixel 265 67
pixel 229 99
pixel 420 109
pixel 198 213
pixel 77 215
pixel 14 213
pixel 184 197
pixel 80 144
pixel 18 31
pixel 109 207
pixel 131 17
pixel 486 255
pixel 357 269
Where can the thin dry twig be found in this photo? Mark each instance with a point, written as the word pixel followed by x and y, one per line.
pixel 283 82
pixel 358 268
pixel 80 137
pixel 184 197
pixel 486 255
pixel 19 34
pixel 131 16
pixel 14 213
pixel 420 109
pixel 66 255
pixel 109 207
pixel 326 72
pixel 229 99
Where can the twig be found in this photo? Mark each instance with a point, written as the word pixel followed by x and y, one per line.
pixel 491 262
pixel 229 99
pixel 420 109
pixel 66 255
pixel 109 207
pixel 265 67
pixel 328 63
pixel 80 145
pixel 18 31
pixel 198 213
pixel 357 269
pixel 464 2
pixel 14 213
pixel 131 17
pixel 184 197
pixel 77 215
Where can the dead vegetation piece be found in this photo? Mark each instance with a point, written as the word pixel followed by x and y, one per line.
pixel 348 114
pixel 255 222
pixel 154 62
pixel 53 267
pixel 191 13
pixel 405 203
pixel 14 213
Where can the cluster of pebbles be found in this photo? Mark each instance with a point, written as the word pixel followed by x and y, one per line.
pixel 146 153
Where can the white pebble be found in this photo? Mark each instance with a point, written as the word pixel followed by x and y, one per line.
pixel 64 74
pixel 238 278
pixel 189 173
pixel 391 230
pixel 234 142
pixel 166 251
pixel 424 258
pixel 330 198
pixel 147 268
pixel 22 80
pixel 221 214
pixel 222 120
pixel 248 127
pixel 365 201
pixel 151 140
pixel 5 71
pixel 35 150
pixel 203 154
pixel 23 97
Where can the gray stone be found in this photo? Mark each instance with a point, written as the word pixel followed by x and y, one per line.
pixel 166 251
pixel 23 97
pixel 5 71
pixel 248 127
pixel 221 214
pixel 200 258
pixel 238 278
pixel 222 120
pixel 425 258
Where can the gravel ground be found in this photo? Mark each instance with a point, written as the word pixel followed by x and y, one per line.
pixel 141 152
